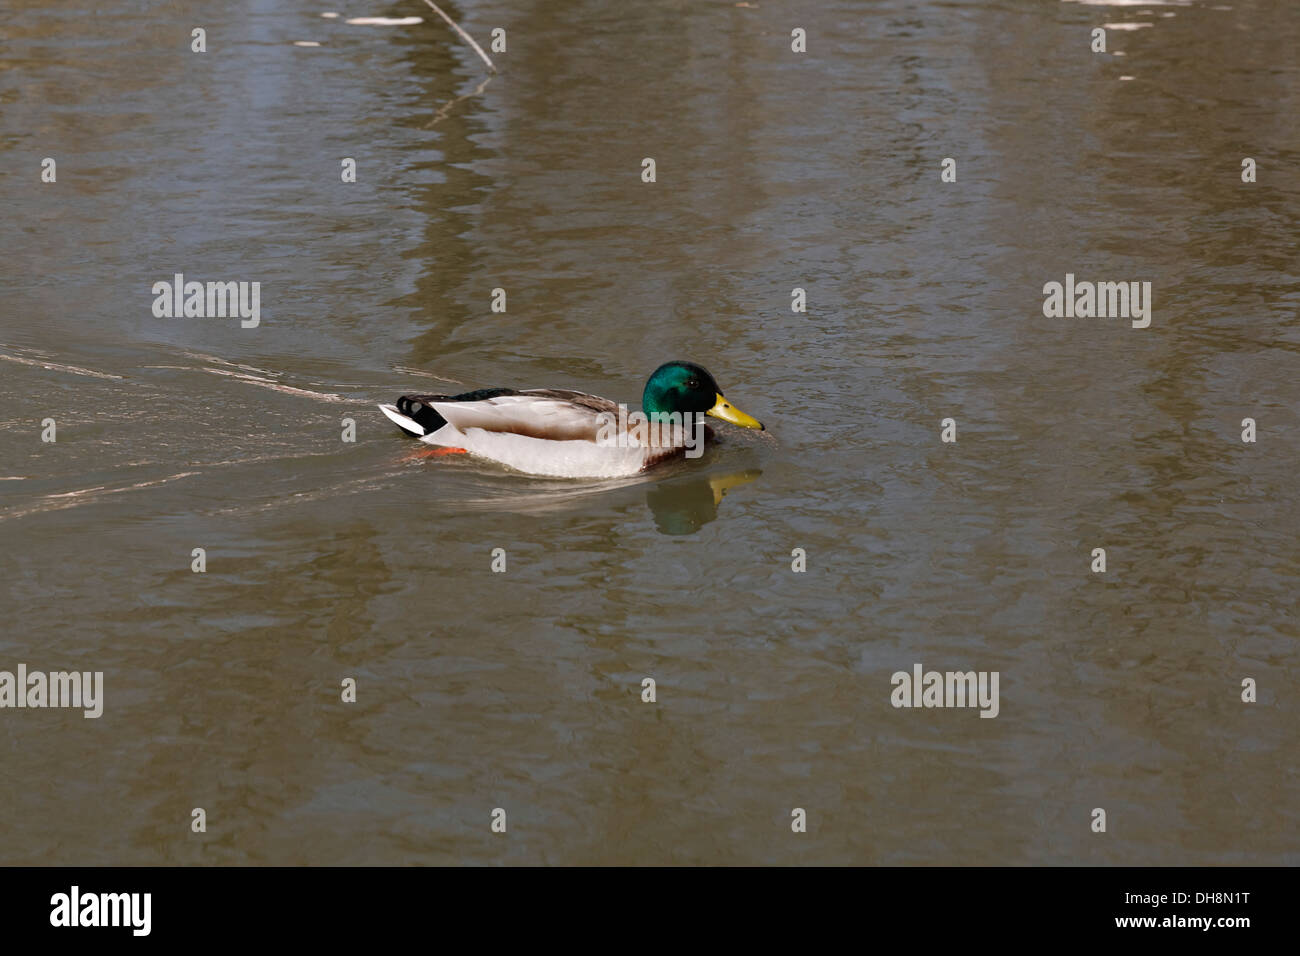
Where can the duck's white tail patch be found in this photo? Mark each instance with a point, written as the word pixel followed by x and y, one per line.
pixel 408 425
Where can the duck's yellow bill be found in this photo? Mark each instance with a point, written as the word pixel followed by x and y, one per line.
pixel 730 413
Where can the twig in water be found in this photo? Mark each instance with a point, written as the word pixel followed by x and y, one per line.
pixel 445 109
pixel 463 35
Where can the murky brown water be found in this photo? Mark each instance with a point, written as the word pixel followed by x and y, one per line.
pixel 521 690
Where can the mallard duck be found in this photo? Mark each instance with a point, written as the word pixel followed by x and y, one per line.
pixel 564 434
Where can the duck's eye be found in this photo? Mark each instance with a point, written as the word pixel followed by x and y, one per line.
pixel 693 383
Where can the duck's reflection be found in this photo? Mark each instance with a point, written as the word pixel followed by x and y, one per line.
pixel 680 504
pixel 684 505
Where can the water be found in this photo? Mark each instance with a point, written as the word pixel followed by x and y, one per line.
pixel 522 690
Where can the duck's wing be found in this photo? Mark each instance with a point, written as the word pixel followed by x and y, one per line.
pixel 547 413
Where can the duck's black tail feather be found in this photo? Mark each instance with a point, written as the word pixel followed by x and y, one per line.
pixel 416 408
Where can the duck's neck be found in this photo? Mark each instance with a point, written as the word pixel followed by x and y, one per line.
pixel 653 409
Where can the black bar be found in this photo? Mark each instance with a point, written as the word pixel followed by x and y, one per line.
pixel 639 906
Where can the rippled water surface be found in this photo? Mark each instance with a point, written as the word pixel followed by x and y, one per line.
pixel 522 690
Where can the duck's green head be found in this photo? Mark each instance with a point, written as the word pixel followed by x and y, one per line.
pixel 686 387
